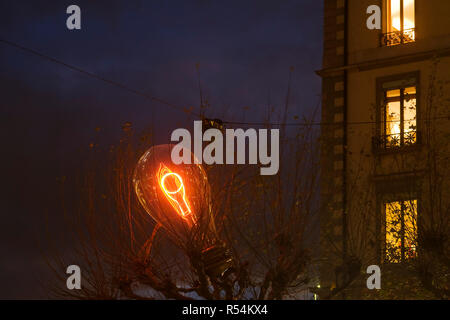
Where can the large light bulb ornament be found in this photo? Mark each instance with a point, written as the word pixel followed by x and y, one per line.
pixel 178 197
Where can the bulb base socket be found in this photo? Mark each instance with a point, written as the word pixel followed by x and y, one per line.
pixel 217 260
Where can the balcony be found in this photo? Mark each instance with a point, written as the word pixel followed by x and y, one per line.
pixel 394 142
pixel 398 37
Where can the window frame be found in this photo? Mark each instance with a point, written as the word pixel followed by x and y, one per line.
pixel 403 187
pixel 397 197
pixel 386 17
pixel 384 84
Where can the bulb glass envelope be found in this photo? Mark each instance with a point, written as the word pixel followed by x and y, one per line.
pixel 176 196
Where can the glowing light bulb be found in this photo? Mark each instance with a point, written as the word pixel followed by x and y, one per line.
pixel 172 181
pixel 178 198
pixel 175 196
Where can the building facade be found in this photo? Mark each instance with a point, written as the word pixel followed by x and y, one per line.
pixel 385 137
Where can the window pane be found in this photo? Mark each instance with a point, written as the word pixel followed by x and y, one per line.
pixel 408 14
pixel 410 225
pixel 410 125
pixel 393 93
pixel 393 212
pixel 394 13
pixel 393 123
pixel 409 33
pixel 410 90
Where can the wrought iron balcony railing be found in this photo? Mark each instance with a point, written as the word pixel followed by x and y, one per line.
pixel 398 37
pixel 393 141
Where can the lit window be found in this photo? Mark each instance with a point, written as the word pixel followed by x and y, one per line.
pixel 400 18
pixel 399 126
pixel 401 230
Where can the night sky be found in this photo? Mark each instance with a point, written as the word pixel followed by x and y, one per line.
pixel 50 113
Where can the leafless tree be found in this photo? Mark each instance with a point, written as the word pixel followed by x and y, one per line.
pixel 267 223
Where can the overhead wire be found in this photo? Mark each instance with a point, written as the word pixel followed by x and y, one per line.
pixel 186 109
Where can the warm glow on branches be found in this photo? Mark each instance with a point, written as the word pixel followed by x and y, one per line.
pixel 401 230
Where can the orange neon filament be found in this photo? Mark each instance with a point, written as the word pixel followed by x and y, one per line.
pixel 168 181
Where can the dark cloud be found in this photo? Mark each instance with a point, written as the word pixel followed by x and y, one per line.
pixel 244 48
